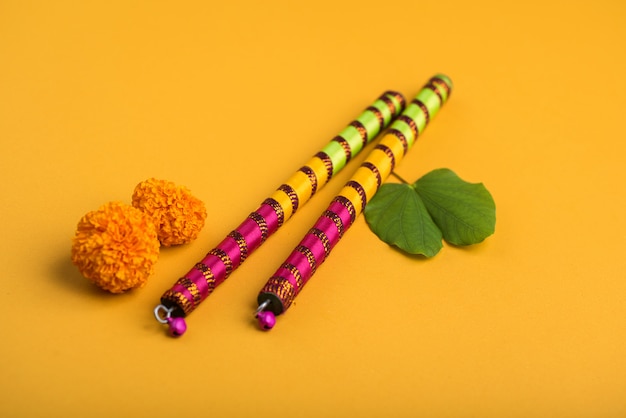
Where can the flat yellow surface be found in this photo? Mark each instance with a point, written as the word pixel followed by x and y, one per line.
pixel 230 99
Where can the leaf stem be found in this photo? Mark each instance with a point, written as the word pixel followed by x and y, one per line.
pixel 393 173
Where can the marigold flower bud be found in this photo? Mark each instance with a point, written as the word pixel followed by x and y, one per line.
pixel 116 247
pixel 178 215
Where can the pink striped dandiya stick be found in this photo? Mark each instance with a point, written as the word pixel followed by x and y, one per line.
pixel 195 286
pixel 287 282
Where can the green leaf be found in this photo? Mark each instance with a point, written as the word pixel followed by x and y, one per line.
pixel 439 205
pixel 397 215
pixel 465 212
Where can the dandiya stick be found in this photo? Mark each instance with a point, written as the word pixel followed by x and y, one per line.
pixel 282 288
pixel 195 286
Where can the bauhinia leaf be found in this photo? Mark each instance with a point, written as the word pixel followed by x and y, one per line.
pixel 465 212
pixel 398 216
pixel 439 205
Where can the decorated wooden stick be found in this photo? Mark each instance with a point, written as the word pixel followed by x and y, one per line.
pixel 194 287
pixel 282 288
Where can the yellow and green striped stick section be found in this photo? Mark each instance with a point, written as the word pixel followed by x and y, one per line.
pixel 190 290
pixel 282 288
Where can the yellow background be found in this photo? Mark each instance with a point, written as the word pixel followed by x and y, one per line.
pixel 230 99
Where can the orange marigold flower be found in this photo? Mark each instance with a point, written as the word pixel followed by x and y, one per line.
pixel 116 247
pixel 178 215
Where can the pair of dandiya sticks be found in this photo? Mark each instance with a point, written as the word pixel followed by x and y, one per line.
pixel 286 283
